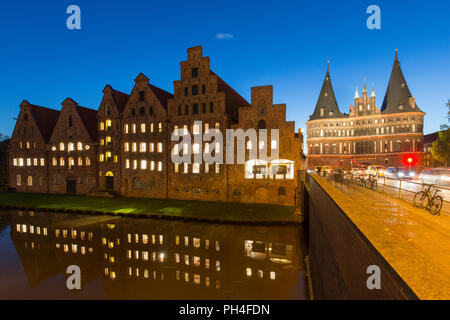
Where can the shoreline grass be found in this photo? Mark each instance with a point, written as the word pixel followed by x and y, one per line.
pixel 158 208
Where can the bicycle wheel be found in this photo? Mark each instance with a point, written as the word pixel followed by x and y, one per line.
pixel 436 205
pixel 374 185
pixel 420 198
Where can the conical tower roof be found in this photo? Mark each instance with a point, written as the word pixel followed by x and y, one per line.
pixel 327 101
pixel 397 93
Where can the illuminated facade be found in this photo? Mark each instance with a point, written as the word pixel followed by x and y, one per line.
pixel 368 135
pixel 125 147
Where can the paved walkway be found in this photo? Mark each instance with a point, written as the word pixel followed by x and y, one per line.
pixel 426 239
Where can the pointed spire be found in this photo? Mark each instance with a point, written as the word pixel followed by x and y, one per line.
pixel 397 97
pixel 328 65
pixel 372 95
pixel 326 106
pixel 356 93
pixel 364 88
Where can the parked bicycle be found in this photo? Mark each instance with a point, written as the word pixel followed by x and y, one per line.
pixel 429 200
pixel 372 182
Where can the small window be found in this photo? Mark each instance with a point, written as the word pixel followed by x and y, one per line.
pixel 186 91
pixel 195 90
pixel 211 107
pixel 151 111
pixel 186 109
pixel 262 110
pixel 261 124
pixel 194 72
pixel 203 89
pixel 195 109
pixel 142 111
pixel 141 95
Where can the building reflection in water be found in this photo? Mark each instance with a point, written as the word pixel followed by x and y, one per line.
pixel 162 259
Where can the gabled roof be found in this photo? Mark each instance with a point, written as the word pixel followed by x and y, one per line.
pixel 327 100
pixel 161 95
pixel 45 119
pixel 224 87
pixel 397 92
pixel 89 118
pixel 121 99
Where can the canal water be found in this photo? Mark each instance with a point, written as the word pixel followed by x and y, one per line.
pixel 132 258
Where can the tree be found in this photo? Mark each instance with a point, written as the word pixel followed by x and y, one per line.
pixel 440 150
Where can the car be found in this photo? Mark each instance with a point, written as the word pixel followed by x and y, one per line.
pixel 437 176
pixel 323 170
pixel 359 170
pixel 376 170
pixel 399 173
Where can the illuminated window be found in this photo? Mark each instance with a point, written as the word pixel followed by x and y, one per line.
pixel 108 123
pixel 20 162
pixel 101 157
pixel 176 169
pixel 186 259
pixel 206 168
pixel 196 278
pixel 159 147
pixel 217 168
pixel 102 126
pixel 217 125
pixel 15 162
pixel 185 129
pixel 70 146
pixel 80 161
pixel 79 146
pixel 196 148
pixel 35 162
pixel 186 241
pixel 152 147
pixel 88 161
pixel 133 128
pixel 185 168
pixel 126 146
pixel 134 147
pixel 196 129
pixel 143 127
pixel 108 140
pixel 61 162
pixel 30 181
pixel 159 166
pixel 126 128
pixel 145 255
pixel 152 127
pixel 102 142
pixel 143 164
pixel 61 146
pixel 134 164
pixel 160 127
pixel 249 272
pixel 142 147
pixel 195 167
pixel 272 275
pixel 177 240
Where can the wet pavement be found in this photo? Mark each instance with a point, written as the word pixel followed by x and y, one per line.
pixel 413 241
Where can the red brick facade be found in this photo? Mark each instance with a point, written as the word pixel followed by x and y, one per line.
pixel 125 147
pixel 368 135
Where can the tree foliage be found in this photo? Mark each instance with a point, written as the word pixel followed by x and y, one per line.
pixel 440 150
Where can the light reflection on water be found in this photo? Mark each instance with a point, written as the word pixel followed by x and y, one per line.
pixel 131 258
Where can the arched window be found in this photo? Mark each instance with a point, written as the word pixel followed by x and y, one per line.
pixel 327 149
pixel 88 161
pixel 61 146
pixel 261 124
pixel 333 149
pixel 79 146
pixel 316 150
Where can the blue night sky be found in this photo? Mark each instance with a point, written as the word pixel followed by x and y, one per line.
pixel 283 43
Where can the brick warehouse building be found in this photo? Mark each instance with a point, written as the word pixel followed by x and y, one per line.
pixel 368 135
pixel 125 147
